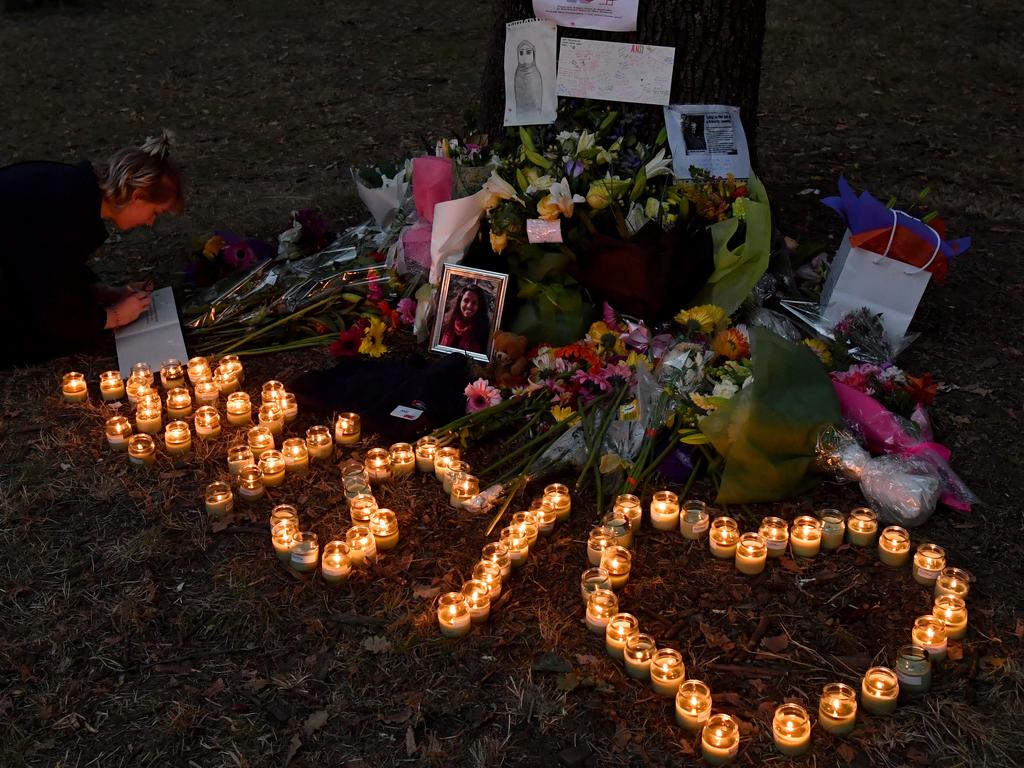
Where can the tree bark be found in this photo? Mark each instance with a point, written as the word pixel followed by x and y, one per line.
pixel 718 47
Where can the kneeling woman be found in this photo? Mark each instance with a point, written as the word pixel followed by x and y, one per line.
pixel 52 220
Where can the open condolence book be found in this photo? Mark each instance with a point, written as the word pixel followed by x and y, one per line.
pixel 154 337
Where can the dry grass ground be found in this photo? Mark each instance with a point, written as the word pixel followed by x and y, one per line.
pixel 136 634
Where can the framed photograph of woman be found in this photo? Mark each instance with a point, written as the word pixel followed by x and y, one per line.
pixel 468 311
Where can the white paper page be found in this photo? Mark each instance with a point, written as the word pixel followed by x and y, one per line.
pixel 709 136
pixel 455 225
pixel 530 72
pixel 607 15
pixel 154 337
pixel 598 69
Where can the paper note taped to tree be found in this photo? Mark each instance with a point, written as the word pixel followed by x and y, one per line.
pixel 607 15
pixel 630 72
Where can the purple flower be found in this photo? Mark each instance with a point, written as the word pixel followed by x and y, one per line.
pixel 407 310
pixel 636 337
pixel 573 168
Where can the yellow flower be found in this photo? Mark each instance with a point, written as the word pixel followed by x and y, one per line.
pixel 702 402
pixel 634 360
pixel 604 191
pixel 499 242
pixel 548 208
pixel 373 339
pixel 606 338
pixel 561 412
pixel 706 318
pixel 821 349
pixel 731 344
pixel 213 246
pixel 559 200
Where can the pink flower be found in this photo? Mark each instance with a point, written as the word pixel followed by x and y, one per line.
pixel 480 395
pixel 407 310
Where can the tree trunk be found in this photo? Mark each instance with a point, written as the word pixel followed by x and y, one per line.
pixel 718 53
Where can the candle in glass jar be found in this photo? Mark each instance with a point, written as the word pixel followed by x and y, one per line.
pixel 601 537
pixel 894 546
pixel 637 654
pixel 361 508
pixel 619 523
pixel 272 391
pixel 272 464
pixel 384 526
pixel 290 405
pixel 724 535
pixel 617 561
pixel 664 511
pixel 478 599
pixel 142 450
pixel 378 465
pixel 118 430
pixel 694 520
pixel 239 457
pixel 693 705
pixel 593 578
pixel 347 429
pixel 142 372
pixel 526 524
pixel 601 606
pixel 172 374
pixel 775 532
pixel 791 729
pixel 667 671
pixel 207 393
pixel 837 710
pixel 545 518
pixel 929 560
pixel 233 365
pixel 296 456
pixel 403 460
pixel 953 581
pixel 74 388
pixel 259 438
pixel 953 612
pixel 490 574
pixel 284 512
pixel 207 422
pixel 426 448
pixel 199 370
pixel 319 443
pixel 720 740
pixel 226 381
pixel 111 385
pixel 179 403
pixel 335 563
pixel 453 614
pixel 498 553
pixel 879 691
pixel 136 388
pixel 361 545
pixel 630 507
pixel 751 554
pixel 557 497
pixel 305 552
pixel 283 536
pixel 219 499
pixel 454 469
pixel 178 438
pixel 862 527
pixel 272 417
pixel 148 418
pixel 443 458
pixel 833 529
pixel 238 409
pixel 250 484
pixel 517 545
pixel 914 669
pixel 620 628
pixel 805 536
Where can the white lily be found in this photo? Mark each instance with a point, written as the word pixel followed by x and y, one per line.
pixel 586 142
pixel 498 189
pixel 559 200
pixel 658 165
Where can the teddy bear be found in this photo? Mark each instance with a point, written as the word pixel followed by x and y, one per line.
pixel 509 363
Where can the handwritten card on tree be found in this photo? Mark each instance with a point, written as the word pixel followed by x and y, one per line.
pixel 630 72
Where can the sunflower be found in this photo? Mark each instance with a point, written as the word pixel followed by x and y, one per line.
pixel 373 339
pixel 607 340
pixel 706 318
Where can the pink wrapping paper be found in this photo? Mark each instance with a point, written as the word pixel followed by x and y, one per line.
pixel 431 184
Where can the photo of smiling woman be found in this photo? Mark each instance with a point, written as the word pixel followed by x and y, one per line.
pixel 469 311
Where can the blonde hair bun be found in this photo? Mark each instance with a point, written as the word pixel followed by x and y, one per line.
pixel 158 146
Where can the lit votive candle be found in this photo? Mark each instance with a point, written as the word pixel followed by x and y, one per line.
pixel 172 374
pixel 335 563
pixel 490 574
pixel 478 599
pixel 833 529
pixel 545 518
pixel 498 553
pixel 233 365
pixel 259 438
pixel 953 581
pixel 290 406
pixel 862 527
pixel 619 523
pixel 347 429
pixel 601 606
pixel 118 430
pixel 135 388
pixel 751 554
pixel 226 381
pixel 148 418
pixel 694 520
pixel 403 460
pixel 111 385
pixel 894 546
pixel 319 443
pixel 272 417
pixel 929 560
pixel 426 447
pixel 220 501
pixel 914 669
pixel 667 671
pixel 305 552
pixel 620 628
pixel 637 654
pixel 384 526
pixel 592 579
pixel 207 422
pixel 207 393
pixel 361 545
pixel 142 450
pixel 283 536
pixel 953 612
pixel 282 512
pixel 178 438
pixel 272 391
pixel 361 508
pixel 791 729
pixel 272 464
pixel 142 372
pixel 664 511
pixel 775 532
pixel 74 388
pixel 722 539
pixel 557 497
pixel 465 488
pixel 296 456
pixel 517 545
pixel 837 710
pixel 720 740
pixel 879 691
pixel 238 409
pixel 453 615
pixel 617 561
pixel 239 457
pixel 526 523
pixel 250 484
pixel 199 370
pixel 630 507
pixel 693 705
pixel 443 457
pixel 378 465
pixel 179 403
pixel 805 536
pixel 453 470
pixel 601 537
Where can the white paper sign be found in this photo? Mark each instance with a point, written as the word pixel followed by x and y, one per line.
pixel 709 136
pixel 608 15
pixel 154 337
pixel 630 72
pixel 530 72
pixel 455 225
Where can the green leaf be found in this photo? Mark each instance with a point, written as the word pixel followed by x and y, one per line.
pixel 693 437
pixel 662 137
pixel 606 123
pixel 638 186
pixel 522 181
pixel 536 159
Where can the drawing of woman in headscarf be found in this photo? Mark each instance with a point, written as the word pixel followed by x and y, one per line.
pixel 529 87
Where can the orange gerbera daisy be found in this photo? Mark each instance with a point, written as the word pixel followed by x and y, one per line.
pixel 580 354
pixel 731 344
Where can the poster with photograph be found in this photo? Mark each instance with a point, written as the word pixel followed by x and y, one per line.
pixel 606 15
pixel 629 72
pixel 530 72
pixel 468 311
pixel 708 136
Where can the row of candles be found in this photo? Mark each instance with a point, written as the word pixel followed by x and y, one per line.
pixel 609 555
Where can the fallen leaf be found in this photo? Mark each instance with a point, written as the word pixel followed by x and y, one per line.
pixel 397 717
pixel 219 525
pixel 410 742
pixel 846 752
pixel 568 682
pixel 214 689
pixel 293 748
pixel 315 722
pixel 425 592
pixel 955 652
pixel 776 643
pixel 551 662
pixel 789 564
pixel 586 659
pixel 377 644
